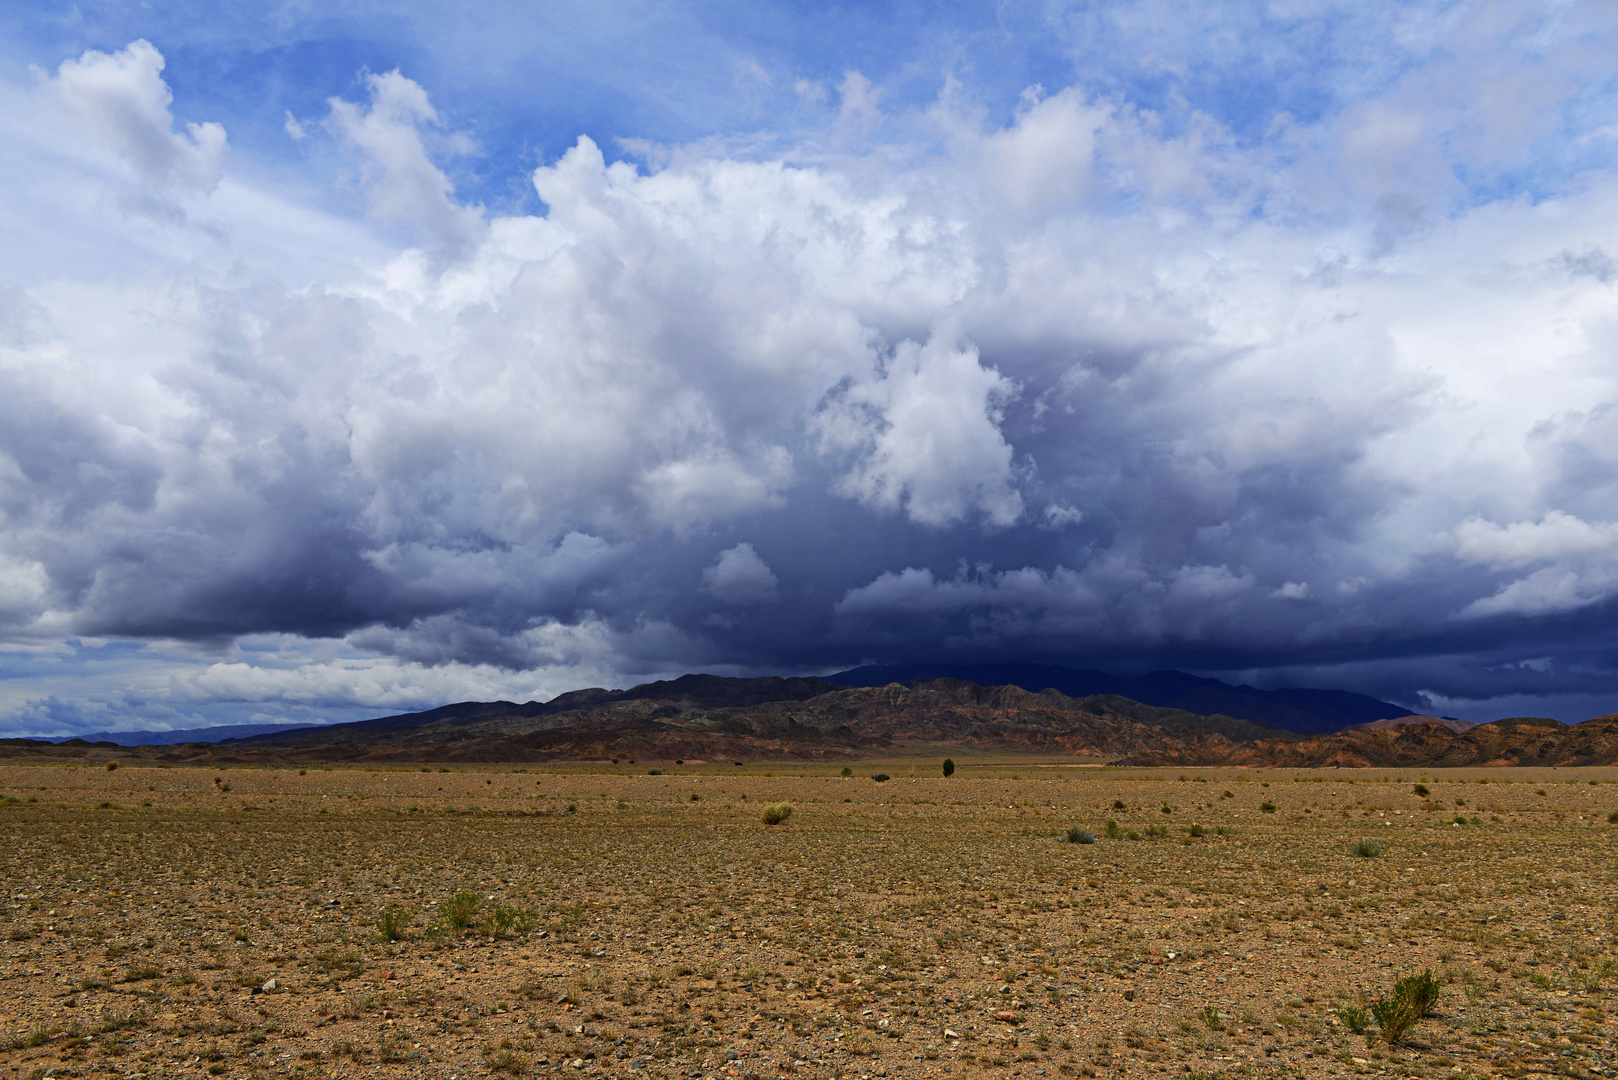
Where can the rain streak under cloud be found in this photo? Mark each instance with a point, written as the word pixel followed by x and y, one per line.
pixel 1278 347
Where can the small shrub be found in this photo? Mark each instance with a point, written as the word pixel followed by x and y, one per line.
pixel 112 766
pixel 1421 789
pixel 1118 804
pixel 1354 1018
pixel 504 920
pixel 1395 1017
pixel 1197 830
pixel 1612 818
pixel 1366 847
pixel 881 777
pixel 776 813
pixel 1267 807
pixel 392 924
pixel 501 1059
pixel 1112 829
pixel 847 771
pixel 1209 1015
pixel 461 909
pixel 1076 835
pixel 949 766
pixel 654 772
pixel 1420 992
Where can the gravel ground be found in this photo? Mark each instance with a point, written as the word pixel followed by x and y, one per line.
pixel 182 922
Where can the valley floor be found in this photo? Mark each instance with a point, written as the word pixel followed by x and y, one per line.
pixel 602 922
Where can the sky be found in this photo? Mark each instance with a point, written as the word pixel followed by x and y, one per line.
pixel 359 358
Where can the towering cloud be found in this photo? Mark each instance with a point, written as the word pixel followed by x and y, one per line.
pixel 1325 399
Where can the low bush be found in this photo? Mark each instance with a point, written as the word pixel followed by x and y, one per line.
pixel 949 766
pixel 1612 818
pixel 776 813
pixel 461 909
pixel 1413 997
pixel 1421 789
pixel 1354 1018
pixel 1395 1017
pixel 504 920
pixel 1267 807
pixel 881 777
pixel 1420 992
pixel 1076 835
pixel 392 924
pixel 1366 847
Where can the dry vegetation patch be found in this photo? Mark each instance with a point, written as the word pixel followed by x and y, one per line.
pixel 1017 920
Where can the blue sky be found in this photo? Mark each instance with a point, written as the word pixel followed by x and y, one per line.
pixel 359 358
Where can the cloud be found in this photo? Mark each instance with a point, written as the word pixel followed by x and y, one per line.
pixel 399 176
pixel 124 101
pixel 1117 374
pixel 925 434
pixel 1557 535
pixel 739 577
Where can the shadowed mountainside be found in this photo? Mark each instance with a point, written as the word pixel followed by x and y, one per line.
pixel 1313 712
pixel 1516 741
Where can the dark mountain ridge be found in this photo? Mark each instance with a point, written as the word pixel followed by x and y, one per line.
pixel 1300 709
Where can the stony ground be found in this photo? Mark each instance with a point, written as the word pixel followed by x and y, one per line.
pixel 202 922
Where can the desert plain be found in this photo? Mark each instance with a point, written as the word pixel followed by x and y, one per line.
pixel 598 920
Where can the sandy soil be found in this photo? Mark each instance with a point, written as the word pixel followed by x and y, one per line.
pixel 178 922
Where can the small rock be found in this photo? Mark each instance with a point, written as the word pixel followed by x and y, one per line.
pixel 1008 1017
pixel 1129 995
pixel 388 974
pixel 269 986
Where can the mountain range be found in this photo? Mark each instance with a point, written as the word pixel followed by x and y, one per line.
pixel 708 718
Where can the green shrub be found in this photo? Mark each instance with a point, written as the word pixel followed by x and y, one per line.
pixel 949 766
pixel 461 909
pixel 112 766
pixel 392 924
pixel 1267 807
pixel 1118 804
pixel 1421 789
pixel 1197 830
pixel 881 777
pixel 1612 818
pixel 1210 1015
pixel 1366 847
pixel 1354 1018
pixel 654 772
pixel 1395 1017
pixel 1076 835
pixel 1420 992
pixel 1112 829
pixel 847 771
pixel 776 813
pixel 504 920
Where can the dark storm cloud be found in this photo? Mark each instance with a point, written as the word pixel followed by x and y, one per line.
pixel 1085 388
